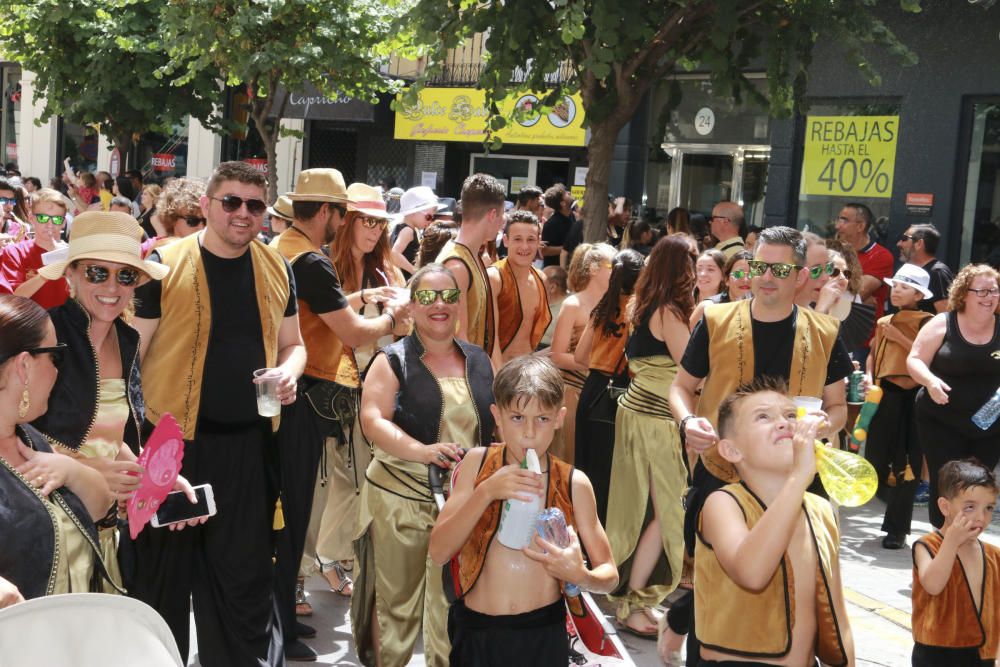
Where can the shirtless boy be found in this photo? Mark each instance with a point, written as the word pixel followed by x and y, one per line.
pixel 766 549
pixel 511 611
pixel 956 576
pixel 522 303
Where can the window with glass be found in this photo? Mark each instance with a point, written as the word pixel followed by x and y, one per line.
pixel 10 113
pixel 981 209
pixel 847 160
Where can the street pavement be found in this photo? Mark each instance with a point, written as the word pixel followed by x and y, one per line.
pixel 876 581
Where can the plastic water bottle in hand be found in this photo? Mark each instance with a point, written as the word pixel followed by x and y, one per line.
pixel 551 527
pixel 517 519
pixel 987 415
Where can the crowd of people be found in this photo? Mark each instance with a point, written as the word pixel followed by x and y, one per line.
pixel 655 374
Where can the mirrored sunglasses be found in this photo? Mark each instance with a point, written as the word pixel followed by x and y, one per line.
pixel 46 219
pixel 779 270
pixel 739 274
pixel 369 222
pixel 126 276
pixel 426 297
pixel 232 203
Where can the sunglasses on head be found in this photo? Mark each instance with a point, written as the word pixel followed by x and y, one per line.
pixel 232 203
pixel 193 220
pixel 54 219
pixel 779 270
pixel 369 222
pixel 126 276
pixel 56 353
pixel 426 297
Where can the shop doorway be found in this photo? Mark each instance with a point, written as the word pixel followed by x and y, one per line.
pixel 981 209
pixel 699 175
pixel 516 171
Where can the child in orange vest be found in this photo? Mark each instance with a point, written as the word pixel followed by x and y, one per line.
pixel 511 610
pixel 956 576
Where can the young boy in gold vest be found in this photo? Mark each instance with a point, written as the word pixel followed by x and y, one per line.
pixel 511 610
pixel 956 576
pixel 522 300
pixel 767 577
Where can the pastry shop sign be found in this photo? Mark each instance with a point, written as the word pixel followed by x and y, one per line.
pixel 460 114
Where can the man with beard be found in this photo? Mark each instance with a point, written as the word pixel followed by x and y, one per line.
pixel 918 245
pixel 319 205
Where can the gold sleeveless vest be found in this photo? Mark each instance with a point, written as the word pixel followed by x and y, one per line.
pixel 731 351
pixel 478 300
pixel 322 345
pixel 722 607
pixel 509 307
pixel 174 363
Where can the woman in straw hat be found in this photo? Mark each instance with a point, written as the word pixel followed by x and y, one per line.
pixel 99 393
pixel 50 502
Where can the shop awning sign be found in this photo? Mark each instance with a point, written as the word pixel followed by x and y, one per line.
pixel 459 114
pixel 850 156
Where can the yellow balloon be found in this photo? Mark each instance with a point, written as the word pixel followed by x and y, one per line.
pixel 848 478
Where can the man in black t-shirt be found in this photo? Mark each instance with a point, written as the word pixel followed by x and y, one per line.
pixel 229 309
pixel 919 245
pixel 556 228
pixel 777 271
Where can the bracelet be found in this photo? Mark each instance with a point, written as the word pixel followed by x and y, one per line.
pixel 392 321
pixel 363 296
pixel 680 427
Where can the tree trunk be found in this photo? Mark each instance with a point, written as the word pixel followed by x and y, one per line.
pixel 259 112
pixel 599 153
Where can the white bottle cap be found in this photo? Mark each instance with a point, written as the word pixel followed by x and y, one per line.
pixel 532 458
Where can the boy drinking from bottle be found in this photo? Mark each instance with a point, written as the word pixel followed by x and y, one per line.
pixel 956 576
pixel 767 576
pixel 510 610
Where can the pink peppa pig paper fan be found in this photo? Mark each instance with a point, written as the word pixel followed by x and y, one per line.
pixel 161 461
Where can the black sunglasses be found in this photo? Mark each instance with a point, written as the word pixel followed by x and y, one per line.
pixel 194 220
pixel 126 276
pixel 56 353
pixel 232 203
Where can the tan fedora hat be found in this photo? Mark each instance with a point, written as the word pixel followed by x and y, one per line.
pixel 366 200
pixel 108 237
pixel 282 208
pixel 322 185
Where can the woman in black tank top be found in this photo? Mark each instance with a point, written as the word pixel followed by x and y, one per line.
pixel 956 357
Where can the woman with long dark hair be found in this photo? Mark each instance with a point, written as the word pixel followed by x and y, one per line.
pixel 648 468
pixel 602 348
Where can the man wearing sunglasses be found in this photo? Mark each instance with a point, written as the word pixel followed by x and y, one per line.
pixel 737 342
pixel 725 224
pixel 228 308
pixel 20 261
pixel 918 245
pixel 319 207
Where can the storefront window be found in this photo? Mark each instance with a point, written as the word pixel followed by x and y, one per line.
pixel 981 215
pixel 161 156
pixel 10 113
pixel 79 144
pixel 848 157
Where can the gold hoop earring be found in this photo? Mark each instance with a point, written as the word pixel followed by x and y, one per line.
pixel 25 405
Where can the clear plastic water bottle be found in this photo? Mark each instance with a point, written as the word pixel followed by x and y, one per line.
pixel 517 519
pixel 551 527
pixel 987 415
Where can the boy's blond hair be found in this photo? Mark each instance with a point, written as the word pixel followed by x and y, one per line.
pixel 47 196
pixel 527 377
pixel 727 409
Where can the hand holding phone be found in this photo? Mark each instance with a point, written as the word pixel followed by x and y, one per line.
pixel 177 508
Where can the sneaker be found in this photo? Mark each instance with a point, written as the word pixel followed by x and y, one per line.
pixel 923 495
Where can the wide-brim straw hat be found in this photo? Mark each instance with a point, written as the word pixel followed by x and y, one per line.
pixel 282 208
pixel 913 276
pixel 108 237
pixel 420 198
pixel 322 185
pixel 366 200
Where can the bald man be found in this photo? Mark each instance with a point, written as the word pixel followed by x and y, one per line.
pixel 726 222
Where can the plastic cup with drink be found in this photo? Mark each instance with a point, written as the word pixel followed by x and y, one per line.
pixel 266 381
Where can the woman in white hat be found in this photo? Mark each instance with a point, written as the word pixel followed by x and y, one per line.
pixel 97 399
pixel 417 208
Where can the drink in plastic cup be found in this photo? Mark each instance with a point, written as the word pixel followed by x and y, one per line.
pixel 807 404
pixel 266 382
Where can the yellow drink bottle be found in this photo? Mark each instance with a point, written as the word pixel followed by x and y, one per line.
pixel 849 479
